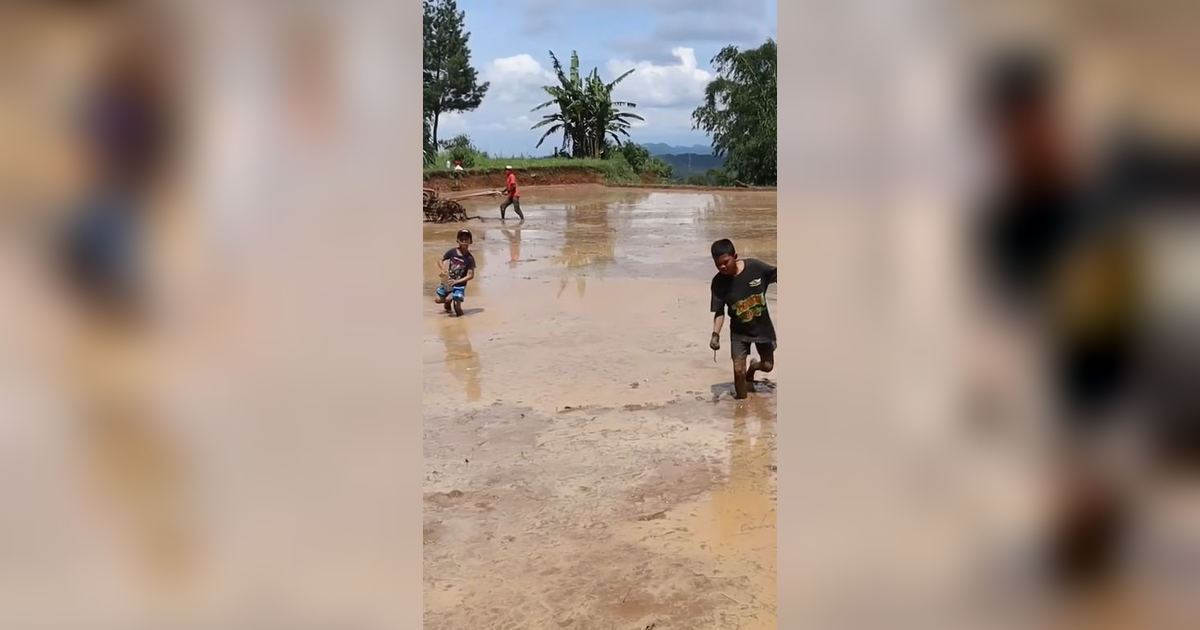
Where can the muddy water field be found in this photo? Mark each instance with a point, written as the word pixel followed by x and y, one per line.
pixel 585 463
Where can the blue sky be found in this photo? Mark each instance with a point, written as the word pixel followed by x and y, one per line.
pixel 669 42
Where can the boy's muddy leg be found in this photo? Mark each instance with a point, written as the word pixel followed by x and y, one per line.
pixel 517 206
pixel 1088 528
pixel 458 309
pixel 504 207
pixel 765 363
pixel 739 378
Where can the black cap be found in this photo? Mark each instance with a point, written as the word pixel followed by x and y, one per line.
pixel 1015 80
pixel 466 233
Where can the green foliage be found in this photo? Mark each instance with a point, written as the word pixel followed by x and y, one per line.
pixel 712 177
pixel 450 83
pixel 587 116
pixel 739 112
pixel 639 159
pixel 636 155
pixel 659 167
pixel 461 149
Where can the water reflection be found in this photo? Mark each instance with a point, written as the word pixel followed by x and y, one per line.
pixel 749 219
pixel 514 244
pixel 135 465
pixel 461 359
pixel 477 250
pixel 742 505
pixel 588 244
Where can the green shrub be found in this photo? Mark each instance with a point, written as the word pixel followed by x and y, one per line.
pixel 461 149
pixel 659 167
pixel 618 171
pixel 720 177
pixel 712 177
pixel 635 154
pixel 639 159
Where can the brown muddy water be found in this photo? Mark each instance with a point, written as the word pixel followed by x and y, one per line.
pixel 585 463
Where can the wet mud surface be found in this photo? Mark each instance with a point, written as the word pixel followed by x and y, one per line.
pixel 585 463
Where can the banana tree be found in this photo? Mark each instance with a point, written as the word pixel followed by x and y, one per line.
pixel 605 119
pixel 587 116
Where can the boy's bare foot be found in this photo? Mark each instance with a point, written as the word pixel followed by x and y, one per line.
pixel 446 306
pixel 751 371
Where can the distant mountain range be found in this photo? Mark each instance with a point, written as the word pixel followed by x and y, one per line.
pixel 658 148
pixel 684 161
pixel 691 163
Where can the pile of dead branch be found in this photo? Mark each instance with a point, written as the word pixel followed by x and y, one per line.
pixel 440 210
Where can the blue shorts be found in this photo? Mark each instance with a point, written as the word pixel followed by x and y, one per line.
pixel 458 293
pixel 100 246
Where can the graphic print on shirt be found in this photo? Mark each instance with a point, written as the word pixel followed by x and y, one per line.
pixel 751 307
pixel 458 268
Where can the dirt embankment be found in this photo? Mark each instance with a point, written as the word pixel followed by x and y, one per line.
pixel 494 180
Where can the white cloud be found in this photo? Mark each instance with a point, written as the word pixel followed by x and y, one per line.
pixel 518 123
pixel 665 92
pixel 516 78
pixel 743 8
pixel 666 118
pixel 451 124
pixel 651 85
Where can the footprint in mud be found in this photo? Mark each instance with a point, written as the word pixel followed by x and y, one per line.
pixel 442 499
pixel 430 532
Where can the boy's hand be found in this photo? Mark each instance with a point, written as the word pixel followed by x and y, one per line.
pixel 715 342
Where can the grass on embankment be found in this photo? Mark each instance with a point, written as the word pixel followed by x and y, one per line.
pixel 615 171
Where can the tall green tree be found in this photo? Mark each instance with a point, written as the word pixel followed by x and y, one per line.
pixel 740 112
pixel 587 116
pixel 450 83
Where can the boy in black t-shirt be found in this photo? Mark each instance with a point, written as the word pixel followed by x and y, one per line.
pixel 740 287
pixel 457 268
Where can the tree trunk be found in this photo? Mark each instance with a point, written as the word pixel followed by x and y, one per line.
pixel 433 132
